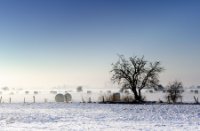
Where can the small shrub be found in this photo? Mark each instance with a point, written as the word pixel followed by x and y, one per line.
pixel 109 92
pixel 79 89
pixel 89 92
pixel 35 92
pixel 5 88
pixel 174 92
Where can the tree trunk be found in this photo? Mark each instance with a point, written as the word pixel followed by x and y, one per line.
pixel 140 95
pixel 137 97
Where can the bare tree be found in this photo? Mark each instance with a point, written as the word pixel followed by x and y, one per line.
pixel 174 90
pixel 136 74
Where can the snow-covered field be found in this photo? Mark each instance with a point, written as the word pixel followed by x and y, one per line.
pixel 80 116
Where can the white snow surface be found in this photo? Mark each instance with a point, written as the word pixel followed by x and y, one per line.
pixel 96 117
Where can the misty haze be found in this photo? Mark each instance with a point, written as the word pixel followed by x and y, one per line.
pixel 99 65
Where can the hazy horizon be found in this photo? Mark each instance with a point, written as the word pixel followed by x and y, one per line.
pixel 44 44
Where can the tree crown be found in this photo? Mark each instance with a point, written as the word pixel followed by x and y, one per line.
pixel 136 72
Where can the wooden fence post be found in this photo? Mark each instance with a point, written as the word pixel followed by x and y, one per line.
pixel 33 99
pixel 0 99
pixel 10 100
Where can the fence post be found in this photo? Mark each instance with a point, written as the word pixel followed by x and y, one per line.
pixel 10 100
pixel 33 99
pixel 0 99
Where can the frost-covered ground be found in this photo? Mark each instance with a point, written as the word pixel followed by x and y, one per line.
pixel 75 116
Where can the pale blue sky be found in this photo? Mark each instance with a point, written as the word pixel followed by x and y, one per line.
pixel 44 43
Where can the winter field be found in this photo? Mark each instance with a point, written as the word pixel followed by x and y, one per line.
pixel 93 116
